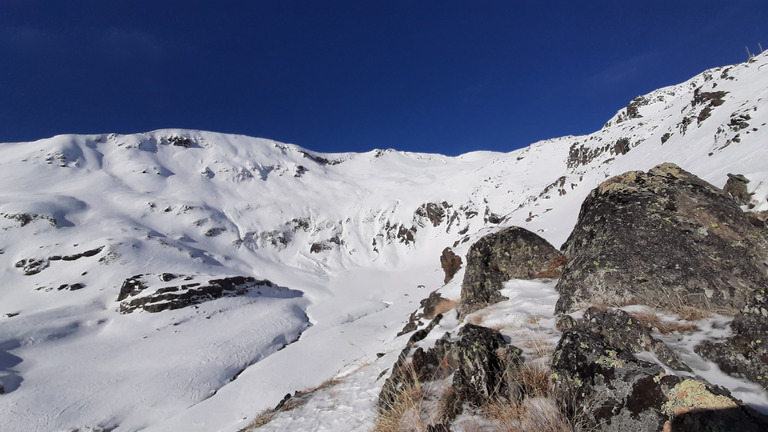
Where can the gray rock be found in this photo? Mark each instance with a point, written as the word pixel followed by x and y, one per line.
pixel 736 186
pixel 485 362
pixel 512 253
pixel 619 329
pixel 137 291
pixel 606 388
pixel 403 374
pixel 745 355
pixel 664 238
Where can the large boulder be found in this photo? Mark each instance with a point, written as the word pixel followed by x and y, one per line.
pixel 606 388
pixel 512 253
pixel 486 365
pixel 664 238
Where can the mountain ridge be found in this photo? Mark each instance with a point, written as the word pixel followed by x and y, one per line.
pixel 210 205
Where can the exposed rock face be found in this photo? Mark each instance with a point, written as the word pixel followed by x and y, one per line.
pixel 485 362
pixel 153 293
pixel 736 186
pixel 512 253
pixel 745 355
pixel 403 375
pixel 426 311
pixel 32 266
pixel 608 389
pixel 481 361
pixel 25 219
pixel 450 262
pixel 664 238
pixel 619 329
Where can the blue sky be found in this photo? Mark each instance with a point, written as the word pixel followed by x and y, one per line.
pixel 419 75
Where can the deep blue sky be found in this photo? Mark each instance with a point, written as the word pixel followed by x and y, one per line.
pixel 419 75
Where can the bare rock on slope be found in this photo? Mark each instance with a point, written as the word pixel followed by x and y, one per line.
pixel 620 329
pixel 745 354
pixel 512 253
pixel 608 389
pixel 663 238
pixel 168 291
pixel 486 360
pixel 450 262
pixel 736 186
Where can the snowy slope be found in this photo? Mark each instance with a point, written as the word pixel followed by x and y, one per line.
pixel 348 242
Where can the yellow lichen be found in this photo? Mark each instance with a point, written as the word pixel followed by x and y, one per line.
pixel 691 394
pixel 610 360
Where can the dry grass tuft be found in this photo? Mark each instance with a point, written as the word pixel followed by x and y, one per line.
pixel 534 378
pixel 690 313
pixel 527 416
pixel 403 413
pixel 652 319
pixel 445 305
pixel 298 399
pixel 537 347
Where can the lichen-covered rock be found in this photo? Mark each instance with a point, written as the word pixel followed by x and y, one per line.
pixel 403 374
pixel 665 238
pixel 619 329
pixel 607 389
pixel 512 253
pixel 450 262
pixel 438 362
pixel 485 361
pixel 745 355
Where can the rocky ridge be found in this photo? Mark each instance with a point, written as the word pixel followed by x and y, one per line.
pixel 657 232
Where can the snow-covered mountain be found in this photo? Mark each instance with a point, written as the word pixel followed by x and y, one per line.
pixel 186 280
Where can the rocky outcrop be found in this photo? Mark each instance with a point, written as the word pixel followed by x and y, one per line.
pixel 664 238
pixel 512 253
pixel 403 376
pixel 25 219
pixel 736 186
pixel 745 354
pixel 620 329
pixel 168 291
pixel 32 266
pixel 607 389
pixel 428 310
pixel 450 262
pixel 485 362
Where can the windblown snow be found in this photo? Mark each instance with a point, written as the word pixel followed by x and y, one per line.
pixel 332 252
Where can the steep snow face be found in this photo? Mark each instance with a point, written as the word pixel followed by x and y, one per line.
pixel 345 240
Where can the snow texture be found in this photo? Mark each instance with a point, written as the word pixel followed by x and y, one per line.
pixel 352 240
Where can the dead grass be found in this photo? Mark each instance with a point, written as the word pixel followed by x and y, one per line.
pixel 477 318
pixel 536 347
pixel 534 379
pixel 297 400
pixel 403 414
pixel 526 416
pixel 689 313
pixel 652 319
pixel 446 305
